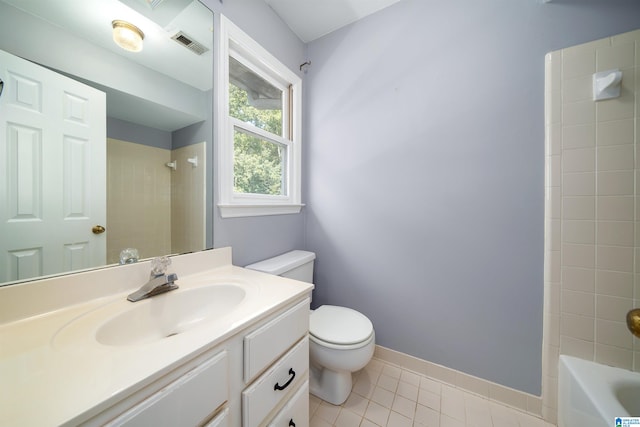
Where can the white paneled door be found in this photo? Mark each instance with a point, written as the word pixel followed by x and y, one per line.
pixel 52 172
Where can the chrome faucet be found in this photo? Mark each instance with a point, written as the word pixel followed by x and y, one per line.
pixel 159 282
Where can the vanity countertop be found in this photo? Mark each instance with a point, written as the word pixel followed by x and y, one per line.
pixel 56 375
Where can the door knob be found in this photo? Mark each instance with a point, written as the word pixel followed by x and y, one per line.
pixel 98 229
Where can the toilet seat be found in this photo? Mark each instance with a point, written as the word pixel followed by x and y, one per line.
pixel 340 327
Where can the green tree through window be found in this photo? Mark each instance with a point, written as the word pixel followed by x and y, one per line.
pixel 258 164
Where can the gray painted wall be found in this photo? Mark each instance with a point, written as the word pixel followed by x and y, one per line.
pixel 133 132
pixel 424 157
pixel 258 238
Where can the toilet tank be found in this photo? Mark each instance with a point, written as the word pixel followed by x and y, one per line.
pixel 296 265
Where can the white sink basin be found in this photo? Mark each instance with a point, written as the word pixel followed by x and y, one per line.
pixel 124 323
pixel 158 317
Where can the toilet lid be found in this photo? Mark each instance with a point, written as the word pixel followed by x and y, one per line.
pixel 339 325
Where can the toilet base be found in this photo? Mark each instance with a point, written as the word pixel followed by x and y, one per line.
pixel 331 386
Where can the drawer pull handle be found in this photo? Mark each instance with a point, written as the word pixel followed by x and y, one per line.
pixel 291 423
pixel 282 387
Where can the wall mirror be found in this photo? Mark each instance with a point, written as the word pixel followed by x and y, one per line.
pixel 66 205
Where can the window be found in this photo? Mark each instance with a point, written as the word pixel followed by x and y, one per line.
pixel 258 130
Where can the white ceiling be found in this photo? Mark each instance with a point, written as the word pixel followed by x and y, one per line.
pixel 311 19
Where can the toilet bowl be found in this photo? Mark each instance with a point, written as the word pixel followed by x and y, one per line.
pixel 341 340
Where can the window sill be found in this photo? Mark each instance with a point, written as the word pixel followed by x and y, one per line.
pixel 238 211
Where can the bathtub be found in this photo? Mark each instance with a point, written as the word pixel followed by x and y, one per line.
pixel 594 395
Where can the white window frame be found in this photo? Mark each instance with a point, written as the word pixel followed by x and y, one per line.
pixel 232 40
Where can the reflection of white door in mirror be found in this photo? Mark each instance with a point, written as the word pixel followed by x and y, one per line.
pixel 53 180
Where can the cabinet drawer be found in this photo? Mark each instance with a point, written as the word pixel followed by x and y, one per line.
pixel 267 343
pixel 261 397
pixel 186 401
pixel 296 412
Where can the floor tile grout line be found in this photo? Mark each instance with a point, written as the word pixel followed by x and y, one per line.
pixel 495 412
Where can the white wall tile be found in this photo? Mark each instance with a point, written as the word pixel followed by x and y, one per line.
pixel 583 232
pixel 615 208
pixel 577 347
pixel 615 132
pixel 551 390
pixel 617 183
pixel 555 71
pixel 555 139
pixel 614 283
pixel 555 115
pixel 616 233
pixel 553 168
pixel 616 157
pixel 553 205
pixel 614 356
pixel 584 112
pixel 578 279
pixel 553 236
pixel 618 56
pixel 578 136
pixel 612 308
pixel 624 38
pixel 577 89
pixel 579 160
pixel 552 266
pixel 576 326
pixel 579 61
pixel 578 255
pixel 610 109
pixel 580 303
pixel 615 258
pixel 579 207
pixel 552 298
pixel 613 333
pixel 552 333
pixel 578 184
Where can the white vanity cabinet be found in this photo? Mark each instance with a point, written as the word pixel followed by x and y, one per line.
pixel 296 412
pixel 189 400
pixel 279 352
pixel 194 394
pixel 257 377
pixel 229 348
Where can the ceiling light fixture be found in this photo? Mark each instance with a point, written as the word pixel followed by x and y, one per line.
pixel 127 36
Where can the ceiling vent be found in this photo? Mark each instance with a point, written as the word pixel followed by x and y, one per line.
pixel 154 3
pixel 189 43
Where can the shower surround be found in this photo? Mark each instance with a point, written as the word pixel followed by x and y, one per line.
pixel 592 209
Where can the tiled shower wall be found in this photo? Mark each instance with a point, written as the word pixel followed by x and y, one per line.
pixel 592 209
pixel 151 207
pixel 188 196
pixel 138 199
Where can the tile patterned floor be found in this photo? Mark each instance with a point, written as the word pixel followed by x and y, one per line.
pixel 385 395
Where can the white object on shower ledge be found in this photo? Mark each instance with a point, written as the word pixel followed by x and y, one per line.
pixel 606 84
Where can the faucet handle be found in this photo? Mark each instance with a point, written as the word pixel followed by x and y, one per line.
pixel 159 265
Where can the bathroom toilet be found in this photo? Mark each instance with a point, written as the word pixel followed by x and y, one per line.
pixel 341 340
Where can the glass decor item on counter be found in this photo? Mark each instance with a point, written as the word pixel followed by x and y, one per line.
pixel 129 256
